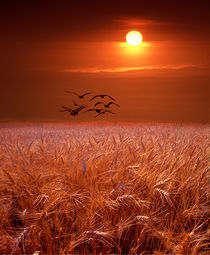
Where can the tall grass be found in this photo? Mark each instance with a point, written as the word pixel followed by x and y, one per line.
pixel 91 189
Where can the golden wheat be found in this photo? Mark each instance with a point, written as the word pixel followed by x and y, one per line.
pixel 104 188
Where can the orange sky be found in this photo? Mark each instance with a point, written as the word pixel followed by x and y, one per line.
pixel 50 48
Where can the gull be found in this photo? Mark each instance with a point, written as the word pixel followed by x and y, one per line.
pixel 99 111
pixel 79 96
pixel 65 109
pixel 102 112
pixel 102 96
pixel 106 105
pixel 96 110
pixel 73 112
pixel 75 104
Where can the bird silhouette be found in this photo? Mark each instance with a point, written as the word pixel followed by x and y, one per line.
pixel 73 112
pixel 106 105
pixel 102 96
pixel 102 112
pixel 96 110
pixel 75 104
pixel 79 96
pixel 99 111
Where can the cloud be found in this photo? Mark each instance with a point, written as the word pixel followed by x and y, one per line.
pixel 127 69
pixel 132 22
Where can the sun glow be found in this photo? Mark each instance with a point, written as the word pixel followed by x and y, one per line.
pixel 134 38
pixel 135 51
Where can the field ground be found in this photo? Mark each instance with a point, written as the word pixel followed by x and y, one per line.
pixel 91 189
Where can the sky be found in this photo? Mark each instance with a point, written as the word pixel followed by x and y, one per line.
pixel 48 47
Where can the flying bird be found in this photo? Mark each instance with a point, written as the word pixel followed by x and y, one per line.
pixel 75 104
pixel 102 112
pixel 102 96
pixel 99 111
pixel 73 112
pixel 79 96
pixel 106 105
pixel 96 110
pixel 65 109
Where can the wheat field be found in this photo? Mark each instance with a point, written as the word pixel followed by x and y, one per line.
pixel 104 189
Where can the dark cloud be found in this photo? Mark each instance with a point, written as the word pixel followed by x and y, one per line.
pixel 41 20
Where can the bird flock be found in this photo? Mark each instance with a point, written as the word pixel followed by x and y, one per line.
pixel 77 107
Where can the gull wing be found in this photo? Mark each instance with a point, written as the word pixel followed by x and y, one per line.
pixel 71 92
pixel 66 109
pixel 110 97
pixel 98 114
pixel 113 103
pixel 94 97
pixel 86 94
pixel 98 103
pixel 75 104
pixel 90 110
pixel 80 108
pixel 109 111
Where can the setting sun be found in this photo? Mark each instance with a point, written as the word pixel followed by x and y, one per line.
pixel 134 38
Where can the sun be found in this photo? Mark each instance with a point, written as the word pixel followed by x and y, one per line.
pixel 134 38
